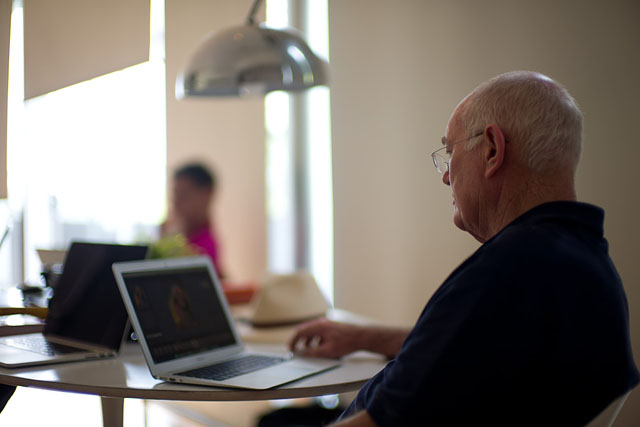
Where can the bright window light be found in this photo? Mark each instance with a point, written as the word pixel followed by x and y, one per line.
pixel 279 170
pixel 315 129
pixel 88 162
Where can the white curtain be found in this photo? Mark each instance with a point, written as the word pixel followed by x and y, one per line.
pixel 70 41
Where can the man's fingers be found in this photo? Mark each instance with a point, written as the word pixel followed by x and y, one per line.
pixel 298 343
pixel 301 337
pixel 300 334
pixel 293 342
pixel 305 344
pixel 319 350
pixel 307 330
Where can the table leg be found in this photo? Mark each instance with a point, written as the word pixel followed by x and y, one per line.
pixel 112 411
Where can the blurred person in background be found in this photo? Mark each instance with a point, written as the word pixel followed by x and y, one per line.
pixel 193 197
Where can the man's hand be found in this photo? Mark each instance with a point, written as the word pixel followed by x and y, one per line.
pixel 324 338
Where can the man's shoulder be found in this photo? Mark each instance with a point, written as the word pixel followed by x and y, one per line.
pixel 554 231
pixel 554 220
pixel 517 249
pixel 551 247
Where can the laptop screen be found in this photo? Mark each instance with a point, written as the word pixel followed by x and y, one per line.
pixel 86 304
pixel 179 312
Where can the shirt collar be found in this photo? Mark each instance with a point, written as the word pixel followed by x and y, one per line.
pixel 584 214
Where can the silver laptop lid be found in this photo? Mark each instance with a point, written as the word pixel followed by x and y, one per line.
pixel 178 311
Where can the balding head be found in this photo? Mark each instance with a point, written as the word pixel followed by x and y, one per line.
pixel 524 135
pixel 535 113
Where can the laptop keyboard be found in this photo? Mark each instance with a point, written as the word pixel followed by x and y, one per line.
pixel 39 344
pixel 233 368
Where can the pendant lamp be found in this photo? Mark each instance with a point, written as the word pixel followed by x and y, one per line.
pixel 251 59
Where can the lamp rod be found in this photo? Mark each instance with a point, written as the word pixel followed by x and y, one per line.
pixel 253 11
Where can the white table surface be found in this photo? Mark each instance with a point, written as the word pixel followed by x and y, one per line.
pixel 127 376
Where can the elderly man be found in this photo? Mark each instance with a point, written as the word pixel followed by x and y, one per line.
pixel 532 329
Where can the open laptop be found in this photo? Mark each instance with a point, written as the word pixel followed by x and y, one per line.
pixel 184 326
pixel 86 318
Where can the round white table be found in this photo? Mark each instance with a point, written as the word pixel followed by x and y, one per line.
pixel 127 376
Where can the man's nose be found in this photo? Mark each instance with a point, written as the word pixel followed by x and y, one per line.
pixel 445 178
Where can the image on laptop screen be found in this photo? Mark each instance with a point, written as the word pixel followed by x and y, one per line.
pixel 179 312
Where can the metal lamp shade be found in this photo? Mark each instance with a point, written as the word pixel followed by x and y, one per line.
pixel 251 59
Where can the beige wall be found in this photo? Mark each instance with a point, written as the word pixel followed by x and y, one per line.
pixel 227 134
pixel 399 68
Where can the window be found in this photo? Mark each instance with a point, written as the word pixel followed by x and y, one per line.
pixel 299 171
pixel 88 162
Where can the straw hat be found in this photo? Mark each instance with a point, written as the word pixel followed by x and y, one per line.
pixel 288 298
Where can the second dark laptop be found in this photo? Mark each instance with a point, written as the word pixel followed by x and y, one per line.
pixel 86 319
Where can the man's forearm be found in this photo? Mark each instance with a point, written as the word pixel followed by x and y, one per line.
pixel 386 341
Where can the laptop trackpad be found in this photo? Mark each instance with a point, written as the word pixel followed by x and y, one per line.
pixel 294 369
pixel 289 370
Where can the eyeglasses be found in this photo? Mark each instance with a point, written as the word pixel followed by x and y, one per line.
pixel 441 157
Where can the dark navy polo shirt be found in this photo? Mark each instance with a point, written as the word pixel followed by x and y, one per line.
pixel 532 329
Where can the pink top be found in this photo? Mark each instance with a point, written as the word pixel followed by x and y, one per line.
pixel 205 242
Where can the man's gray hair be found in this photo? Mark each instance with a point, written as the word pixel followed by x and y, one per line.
pixel 534 112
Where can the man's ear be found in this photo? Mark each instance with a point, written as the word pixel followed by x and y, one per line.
pixel 495 151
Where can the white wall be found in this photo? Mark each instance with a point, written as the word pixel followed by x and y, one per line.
pixel 398 70
pixel 227 134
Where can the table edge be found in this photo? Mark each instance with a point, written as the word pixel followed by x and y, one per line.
pixel 198 393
